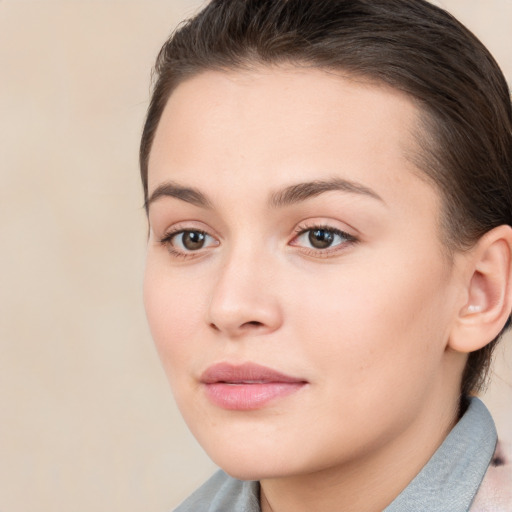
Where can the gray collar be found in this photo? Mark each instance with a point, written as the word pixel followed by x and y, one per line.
pixel 447 483
pixel 451 478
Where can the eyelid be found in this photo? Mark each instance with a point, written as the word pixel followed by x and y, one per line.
pixel 327 224
pixel 311 225
pixel 183 227
pixel 187 225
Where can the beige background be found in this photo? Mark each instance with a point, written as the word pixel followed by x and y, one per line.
pixel 87 422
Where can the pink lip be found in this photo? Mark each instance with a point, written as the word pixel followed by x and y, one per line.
pixel 247 386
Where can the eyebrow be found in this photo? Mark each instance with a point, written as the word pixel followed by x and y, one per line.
pixel 172 189
pixel 302 191
pixel 285 197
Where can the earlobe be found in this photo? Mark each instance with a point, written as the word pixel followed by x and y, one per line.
pixel 489 292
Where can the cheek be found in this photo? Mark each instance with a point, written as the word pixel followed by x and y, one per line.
pixel 366 324
pixel 173 310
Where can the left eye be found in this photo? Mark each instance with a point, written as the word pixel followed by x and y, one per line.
pixel 187 241
pixel 322 238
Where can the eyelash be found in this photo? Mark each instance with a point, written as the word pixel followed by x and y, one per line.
pixel 348 239
pixel 167 239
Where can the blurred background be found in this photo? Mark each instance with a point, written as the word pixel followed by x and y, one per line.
pixel 87 421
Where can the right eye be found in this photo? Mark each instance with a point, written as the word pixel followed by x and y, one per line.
pixel 187 241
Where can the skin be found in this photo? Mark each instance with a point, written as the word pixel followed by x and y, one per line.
pixel 366 323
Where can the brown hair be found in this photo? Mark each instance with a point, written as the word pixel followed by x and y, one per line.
pixel 410 45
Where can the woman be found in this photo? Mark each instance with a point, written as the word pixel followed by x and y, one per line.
pixel 329 262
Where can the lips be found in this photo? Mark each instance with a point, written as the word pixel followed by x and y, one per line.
pixel 248 386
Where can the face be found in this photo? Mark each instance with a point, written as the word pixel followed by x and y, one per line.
pixel 296 285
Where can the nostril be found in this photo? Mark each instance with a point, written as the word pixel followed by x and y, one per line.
pixel 253 323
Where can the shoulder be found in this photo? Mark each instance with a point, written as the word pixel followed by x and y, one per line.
pixel 221 493
pixel 495 493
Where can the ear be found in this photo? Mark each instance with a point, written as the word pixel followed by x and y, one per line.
pixel 488 297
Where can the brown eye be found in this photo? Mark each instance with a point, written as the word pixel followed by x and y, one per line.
pixel 190 240
pixel 186 242
pixel 321 238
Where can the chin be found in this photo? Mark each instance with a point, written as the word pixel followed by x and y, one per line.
pixel 252 462
pixel 247 466
pixel 254 471
pixel 245 473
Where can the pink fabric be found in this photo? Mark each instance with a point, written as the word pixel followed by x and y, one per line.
pixel 495 493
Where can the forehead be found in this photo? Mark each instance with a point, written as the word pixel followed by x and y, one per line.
pixel 273 126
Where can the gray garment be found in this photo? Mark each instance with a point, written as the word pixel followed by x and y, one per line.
pixel 447 483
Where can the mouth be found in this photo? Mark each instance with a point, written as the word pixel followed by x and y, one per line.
pixel 248 386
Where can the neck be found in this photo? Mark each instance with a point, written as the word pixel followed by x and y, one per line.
pixel 369 482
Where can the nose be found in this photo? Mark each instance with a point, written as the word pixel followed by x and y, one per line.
pixel 244 299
